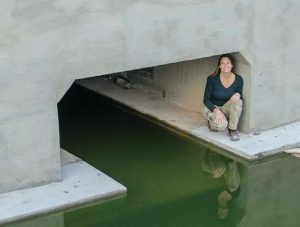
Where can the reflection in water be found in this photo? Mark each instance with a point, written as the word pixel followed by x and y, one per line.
pixel 167 185
pixel 268 197
pixel 223 199
pixel 51 220
pixel 232 176
pixel 214 164
pixel 270 193
pixel 218 166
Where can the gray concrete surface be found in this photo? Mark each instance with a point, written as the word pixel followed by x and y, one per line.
pixel 250 147
pixel 269 194
pixel 81 183
pixel 273 54
pixel 146 103
pixel 29 150
pixel 45 45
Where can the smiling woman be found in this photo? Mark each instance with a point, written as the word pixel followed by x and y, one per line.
pixel 223 98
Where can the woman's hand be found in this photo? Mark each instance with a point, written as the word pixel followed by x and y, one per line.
pixel 219 116
pixel 236 97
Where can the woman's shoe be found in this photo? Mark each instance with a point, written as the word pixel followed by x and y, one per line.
pixel 233 134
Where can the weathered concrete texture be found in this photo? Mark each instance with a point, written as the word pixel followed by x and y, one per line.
pixel 29 150
pixel 250 146
pixel 274 56
pixel 81 183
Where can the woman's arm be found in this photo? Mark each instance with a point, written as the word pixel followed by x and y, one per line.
pixel 240 87
pixel 239 91
pixel 208 94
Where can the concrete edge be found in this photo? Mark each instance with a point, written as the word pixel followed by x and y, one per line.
pixel 236 151
pixel 226 148
pixel 36 201
pixel 60 208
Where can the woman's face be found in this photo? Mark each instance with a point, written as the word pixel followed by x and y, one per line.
pixel 225 65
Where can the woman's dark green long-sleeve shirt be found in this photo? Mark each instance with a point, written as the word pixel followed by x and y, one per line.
pixel 217 95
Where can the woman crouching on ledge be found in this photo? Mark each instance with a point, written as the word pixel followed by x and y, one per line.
pixel 223 98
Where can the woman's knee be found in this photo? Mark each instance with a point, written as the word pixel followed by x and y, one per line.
pixel 236 106
pixel 239 103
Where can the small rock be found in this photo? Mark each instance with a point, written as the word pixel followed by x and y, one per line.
pixel 122 82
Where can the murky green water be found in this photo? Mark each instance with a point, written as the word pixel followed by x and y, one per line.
pixel 171 179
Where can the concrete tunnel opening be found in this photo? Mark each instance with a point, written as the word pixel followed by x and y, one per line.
pixel 171 93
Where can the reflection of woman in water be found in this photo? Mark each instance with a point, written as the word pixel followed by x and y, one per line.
pixel 217 166
pixel 223 98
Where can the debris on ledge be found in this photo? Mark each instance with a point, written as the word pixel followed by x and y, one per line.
pixel 294 152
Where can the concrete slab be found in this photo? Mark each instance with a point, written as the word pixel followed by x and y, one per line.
pixel 250 147
pixel 81 183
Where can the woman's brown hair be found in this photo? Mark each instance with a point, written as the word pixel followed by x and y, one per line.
pixel 218 70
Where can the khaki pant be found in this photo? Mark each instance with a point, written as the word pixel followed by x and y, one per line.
pixel 231 111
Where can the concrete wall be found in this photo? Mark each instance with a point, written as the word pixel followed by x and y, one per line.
pixel 182 83
pixel 269 193
pixel 273 52
pixel 244 69
pixel 45 45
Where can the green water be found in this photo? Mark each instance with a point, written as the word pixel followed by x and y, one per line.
pixel 169 177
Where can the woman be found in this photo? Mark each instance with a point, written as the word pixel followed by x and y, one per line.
pixel 223 98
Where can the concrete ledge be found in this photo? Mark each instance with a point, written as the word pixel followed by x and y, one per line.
pixel 152 105
pixel 81 183
pixel 250 147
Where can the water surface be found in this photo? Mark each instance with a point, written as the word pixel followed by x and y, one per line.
pixel 171 179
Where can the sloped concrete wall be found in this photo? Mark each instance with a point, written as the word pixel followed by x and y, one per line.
pixel 45 45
